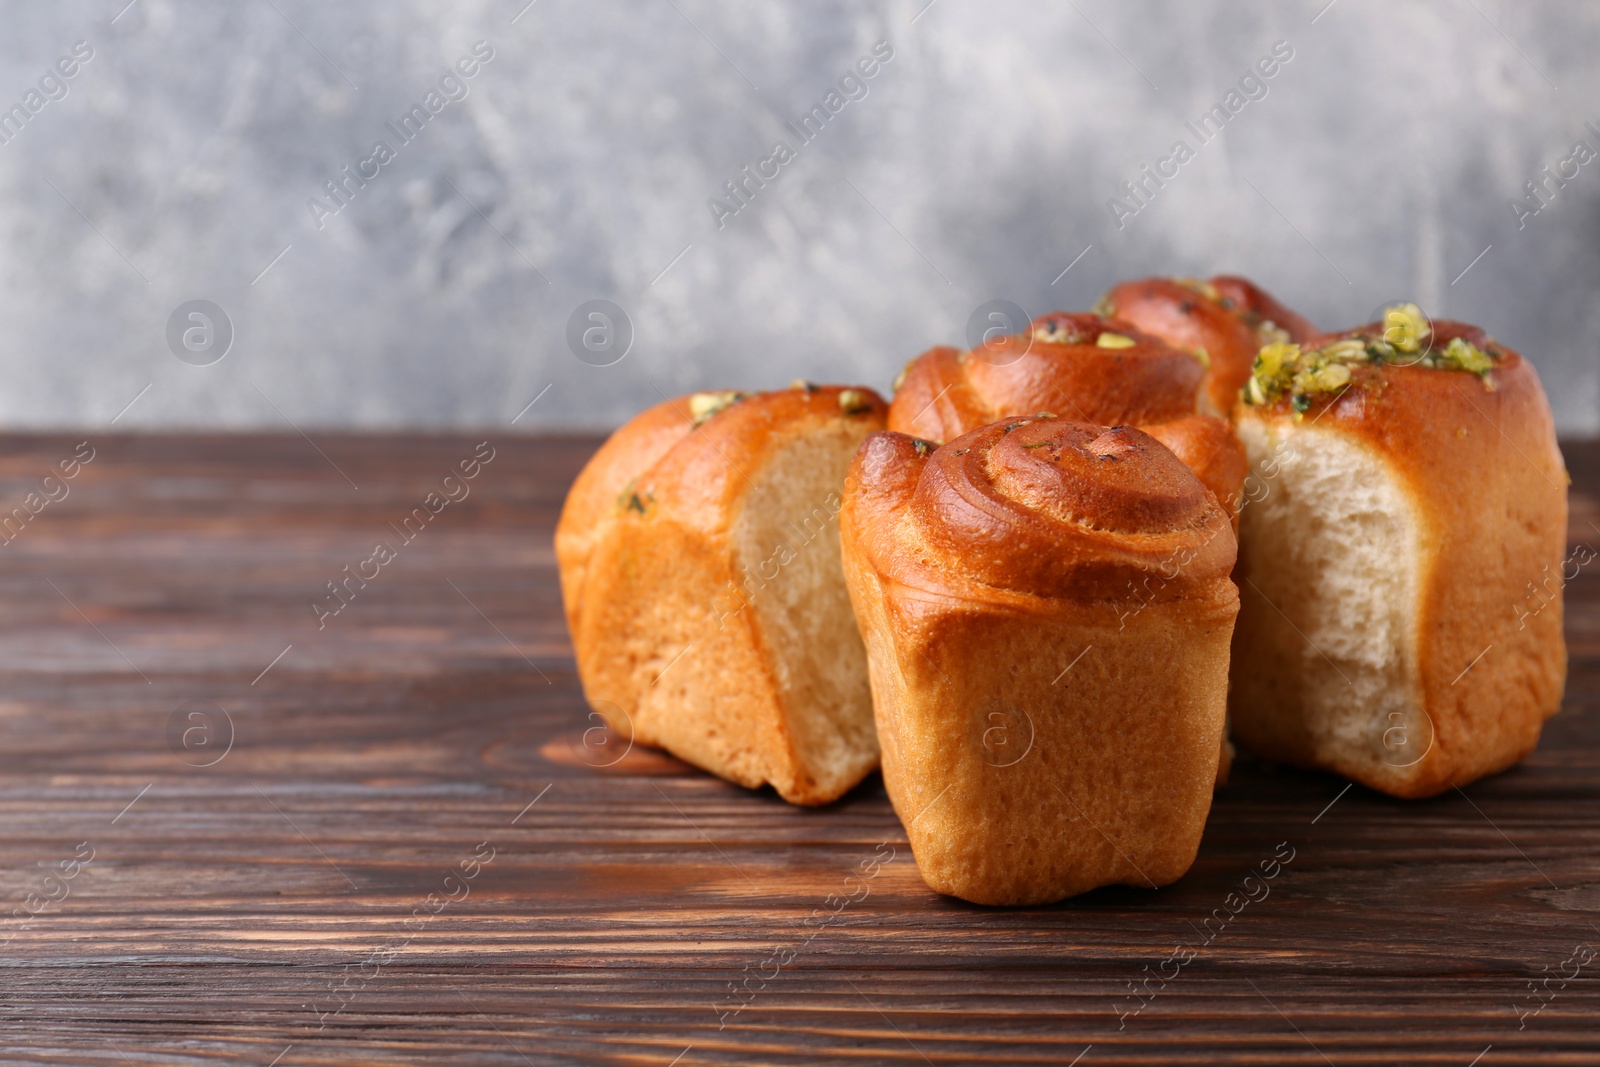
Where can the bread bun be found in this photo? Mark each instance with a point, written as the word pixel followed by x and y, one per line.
pixel 700 570
pixel 1077 365
pixel 1227 319
pixel 1411 490
pixel 1047 612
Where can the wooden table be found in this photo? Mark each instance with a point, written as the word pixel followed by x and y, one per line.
pixel 429 739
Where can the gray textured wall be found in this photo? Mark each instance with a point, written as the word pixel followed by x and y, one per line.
pixel 579 165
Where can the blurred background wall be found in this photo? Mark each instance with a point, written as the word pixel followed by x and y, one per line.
pixel 184 160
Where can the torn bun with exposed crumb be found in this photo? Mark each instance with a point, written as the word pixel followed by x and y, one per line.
pixel 1412 491
pixel 700 570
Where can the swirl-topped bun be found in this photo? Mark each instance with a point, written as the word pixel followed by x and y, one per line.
pixel 981 572
pixel 1226 319
pixel 1077 364
pixel 1080 366
pixel 1048 507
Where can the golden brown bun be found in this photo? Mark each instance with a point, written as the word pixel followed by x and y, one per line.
pixel 1228 317
pixel 1387 630
pixel 1047 611
pixel 593 503
pixel 946 393
pixel 1059 366
pixel 1208 446
pixel 700 570
pixel 1260 309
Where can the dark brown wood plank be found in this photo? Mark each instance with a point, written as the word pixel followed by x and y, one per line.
pixel 224 906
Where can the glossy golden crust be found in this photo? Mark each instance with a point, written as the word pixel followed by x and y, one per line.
pixel 1048 507
pixel 987 572
pixel 668 647
pixel 592 504
pixel 1260 309
pixel 1228 317
pixel 1476 458
pixel 1208 446
pixel 946 392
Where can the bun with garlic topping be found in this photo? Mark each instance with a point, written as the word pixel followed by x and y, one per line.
pixel 700 571
pixel 1412 491
pixel 1077 365
pixel 1047 610
pixel 1226 320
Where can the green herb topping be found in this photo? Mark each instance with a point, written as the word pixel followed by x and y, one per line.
pixel 1282 367
pixel 631 500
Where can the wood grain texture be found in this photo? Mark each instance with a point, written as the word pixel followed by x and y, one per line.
pixel 225 907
